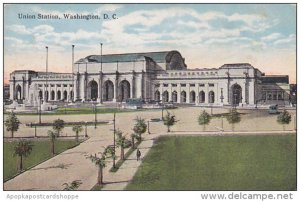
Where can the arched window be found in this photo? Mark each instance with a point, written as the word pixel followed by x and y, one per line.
pixel 183 97
pixel 202 97
pixel 192 97
pixel 211 96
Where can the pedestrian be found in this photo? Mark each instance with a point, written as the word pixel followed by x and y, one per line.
pixel 138 154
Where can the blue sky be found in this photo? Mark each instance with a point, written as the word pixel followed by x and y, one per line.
pixel 207 35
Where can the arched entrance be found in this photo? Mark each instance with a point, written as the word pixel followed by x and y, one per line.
pixel 92 90
pixel 52 95
pixel 202 97
pixel 211 97
pixel 46 95
pixel 124 90
pixel 58 95
pixel 40 94
pixel 65 95
pixel 192 97
pixel 157 96
pixel 108 90
pixel 166 96
pixel 174 96
pixel 183 97
pixel 18 92
pixel 236 94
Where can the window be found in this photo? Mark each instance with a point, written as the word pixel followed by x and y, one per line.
pixel 65 85
pixel 211 85
pixel 201 85
pixel 174 85
pixel 192 85
pixel 40 85
pixel 71 85
pixel 59 85
pixel 166 85
pixel 52 85
pixel 157 85
pixel 183 85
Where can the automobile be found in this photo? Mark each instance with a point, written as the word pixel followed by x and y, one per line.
pixel 273 109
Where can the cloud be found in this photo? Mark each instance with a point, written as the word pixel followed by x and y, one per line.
pixel 291 39
pixel 271 37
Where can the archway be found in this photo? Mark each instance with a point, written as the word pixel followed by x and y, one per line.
pixel 192 97
pixel 40 94
pixel 92 90
pixel 108 90
pixel 183 97
pixel 166 96
pixel 52 95
pixel 46 95
pixel 202 97
pixel 72 95
pixel 211 97
pixel 124 90
pixel 58 95
pixel 18 92
pixel 65 95
pixel 236 94
pixel 174 96
pixel 157 96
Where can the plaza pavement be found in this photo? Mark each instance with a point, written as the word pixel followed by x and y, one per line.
pixel 72 164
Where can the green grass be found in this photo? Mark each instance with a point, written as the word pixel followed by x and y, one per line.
pixel 219 163
pixel 40 153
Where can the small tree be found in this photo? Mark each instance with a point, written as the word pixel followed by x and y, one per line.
pixel 74 185
pixel 140 126
pixel 169 120
pixel 133 137
pixel 58 125
pixel 100 162
pixel 77 129
pixel 22 149
pixel 122 142
pixel 233 117
pixel 12 123
pixel 52 135
pixel 203 119
pixel 284 118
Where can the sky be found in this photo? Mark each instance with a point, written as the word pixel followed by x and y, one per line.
pixel 207 35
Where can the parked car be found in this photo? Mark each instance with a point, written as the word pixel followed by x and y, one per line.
pixel 273 109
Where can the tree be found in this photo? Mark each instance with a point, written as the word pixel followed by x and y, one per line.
pixel 52 135
pixel 233 117
pixel 74 185
pixel 58 125
pixel 133 137
pixel 284 118
pixel 77 129
pixel 122 142
pixel 203 119
pixel 22 149
pixel 169 120
pixel 12 123
pixel 140 126
pixel 100 163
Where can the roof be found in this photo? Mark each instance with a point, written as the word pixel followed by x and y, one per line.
pixel 275 79
pixel 237 65
pixel 158 57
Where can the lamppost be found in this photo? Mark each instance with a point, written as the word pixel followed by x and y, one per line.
pixel 114 120
pixel 95 111
pixel 40 111
pixel 85 134
pixel 148 127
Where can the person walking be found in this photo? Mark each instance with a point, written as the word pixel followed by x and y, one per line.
pixel 138 154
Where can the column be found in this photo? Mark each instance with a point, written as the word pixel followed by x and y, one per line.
pixel 188 94
pixel 132 89
pixel 142 84
pixel 23 88
pixel 206 94
pixel 14 89
pixel 244 94
pixel 161 85
pixel 116 88
pixel 179 93
pixel 197 94
pixel 85 86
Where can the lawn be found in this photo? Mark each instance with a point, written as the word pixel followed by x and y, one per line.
pixel 219 163
pixel 40 152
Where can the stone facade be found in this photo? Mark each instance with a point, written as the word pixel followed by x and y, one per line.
pixel 160 76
